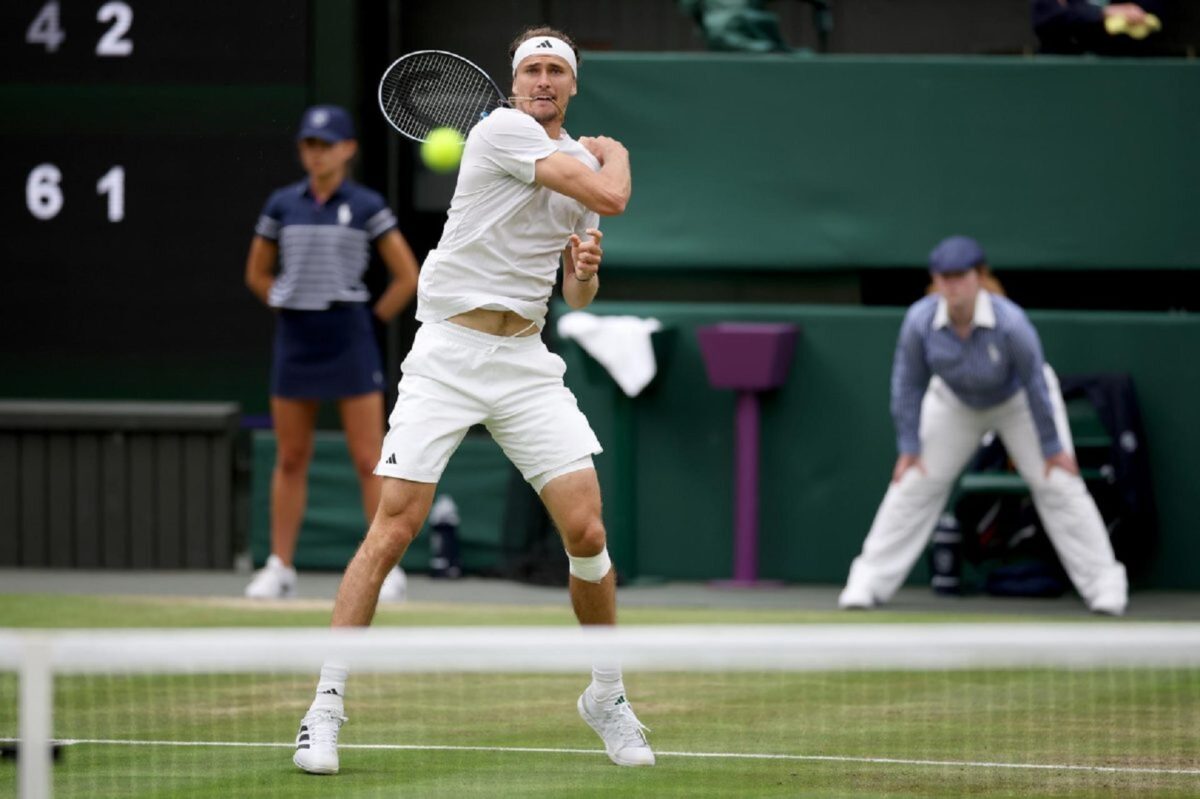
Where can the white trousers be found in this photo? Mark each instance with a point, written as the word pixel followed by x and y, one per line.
pixel 950 434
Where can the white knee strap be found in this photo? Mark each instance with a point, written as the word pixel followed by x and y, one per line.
pixel 591 569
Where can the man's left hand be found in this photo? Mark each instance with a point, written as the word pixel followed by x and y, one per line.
pixel 586 255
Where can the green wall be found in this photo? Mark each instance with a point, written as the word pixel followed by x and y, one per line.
pixel 827 440
pixel 478 479
pixel 787 162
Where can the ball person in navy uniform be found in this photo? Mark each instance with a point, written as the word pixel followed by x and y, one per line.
pixel 525 210
pixel 968 362
pixel 318 232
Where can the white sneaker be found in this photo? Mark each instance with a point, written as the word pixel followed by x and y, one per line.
pixel 395 586
pixel 1109 606
pixel 273 581
pixel 854 597
pixel 316 742
pixel 619 728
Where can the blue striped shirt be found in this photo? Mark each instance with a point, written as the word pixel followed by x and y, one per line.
pixel 324 248
pixel 1001 356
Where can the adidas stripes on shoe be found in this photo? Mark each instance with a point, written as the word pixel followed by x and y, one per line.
pixel 316 742
pixel 623 735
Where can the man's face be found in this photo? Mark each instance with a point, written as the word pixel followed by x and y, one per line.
pixel 549 80
pixel 959 289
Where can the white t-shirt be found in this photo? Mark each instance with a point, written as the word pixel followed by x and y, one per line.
pixel 504 233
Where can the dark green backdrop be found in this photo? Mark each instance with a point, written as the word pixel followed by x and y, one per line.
pixel 789 162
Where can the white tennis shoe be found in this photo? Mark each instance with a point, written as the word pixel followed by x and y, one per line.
pixel 316 742
pixel 623 735
pixel 273 581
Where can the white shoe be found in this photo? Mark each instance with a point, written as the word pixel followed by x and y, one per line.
pixel 856 598
pixel 273 581
pixel 395 586
pixel 1109 606
pixel 622 733
pixel 316 742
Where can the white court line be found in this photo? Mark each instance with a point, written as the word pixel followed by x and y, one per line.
pixel 717 755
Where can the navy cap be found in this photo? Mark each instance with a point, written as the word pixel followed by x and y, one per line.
pixel 329 123
pixel 956 254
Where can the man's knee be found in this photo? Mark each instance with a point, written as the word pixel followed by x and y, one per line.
pixel 398 519
pixel 388 537
pixel 585 539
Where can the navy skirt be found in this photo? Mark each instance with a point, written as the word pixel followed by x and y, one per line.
pixel 325 354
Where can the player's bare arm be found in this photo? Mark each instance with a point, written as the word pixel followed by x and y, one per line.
pixel 581 263
pixel 260 266
pixel 402 265
pixel 606 192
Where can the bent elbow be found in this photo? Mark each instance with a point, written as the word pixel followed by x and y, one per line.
pixel 611 205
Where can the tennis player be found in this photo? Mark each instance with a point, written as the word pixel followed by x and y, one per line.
pixel 318 232
pixel 528 196
pixel 967 362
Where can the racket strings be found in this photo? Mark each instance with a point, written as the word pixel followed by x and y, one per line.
pixel 431 90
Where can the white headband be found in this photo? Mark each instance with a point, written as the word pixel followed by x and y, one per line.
pixel 545 45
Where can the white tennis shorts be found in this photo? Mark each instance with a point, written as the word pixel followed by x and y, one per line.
pixel 455 377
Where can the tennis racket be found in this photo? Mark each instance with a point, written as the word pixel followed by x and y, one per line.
pixel 434 89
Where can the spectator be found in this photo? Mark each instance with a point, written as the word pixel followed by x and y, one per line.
pixel 967 362
pixel 1071 27
pixel 319 231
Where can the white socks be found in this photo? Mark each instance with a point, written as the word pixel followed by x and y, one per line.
pixel 606 682
pixel 331 688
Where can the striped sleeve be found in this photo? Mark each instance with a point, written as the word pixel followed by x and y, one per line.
pixel 381 222
pixel 270 220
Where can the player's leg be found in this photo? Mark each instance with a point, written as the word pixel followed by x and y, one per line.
pixel 426 426
pixel 362 421
pixel 403 506
pixel 1072 520
pixel 293 421
pixel 573 500
pixel 950 433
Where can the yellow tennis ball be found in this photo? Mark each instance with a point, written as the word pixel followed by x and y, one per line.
pixel 442 149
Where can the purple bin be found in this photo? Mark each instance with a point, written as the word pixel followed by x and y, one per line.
pixel 747 357
pixel 750 356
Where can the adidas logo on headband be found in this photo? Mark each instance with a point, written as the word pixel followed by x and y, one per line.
pixel 547 45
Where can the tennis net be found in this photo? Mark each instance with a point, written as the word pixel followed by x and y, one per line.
pixel 1096 709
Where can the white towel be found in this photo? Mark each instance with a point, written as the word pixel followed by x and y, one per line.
pixel 621 344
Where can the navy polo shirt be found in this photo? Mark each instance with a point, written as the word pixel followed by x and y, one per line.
pixel 324 248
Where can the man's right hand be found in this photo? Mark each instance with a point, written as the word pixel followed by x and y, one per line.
pixel 602 147
pixel 904 463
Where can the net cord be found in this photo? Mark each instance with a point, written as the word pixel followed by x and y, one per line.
pixel 921 647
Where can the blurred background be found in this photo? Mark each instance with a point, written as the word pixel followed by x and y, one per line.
pixel 793 161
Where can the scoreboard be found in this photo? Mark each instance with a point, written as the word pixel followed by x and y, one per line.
pixel 140 140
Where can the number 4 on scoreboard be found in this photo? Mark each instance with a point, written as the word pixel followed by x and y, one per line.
pixel 47 30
